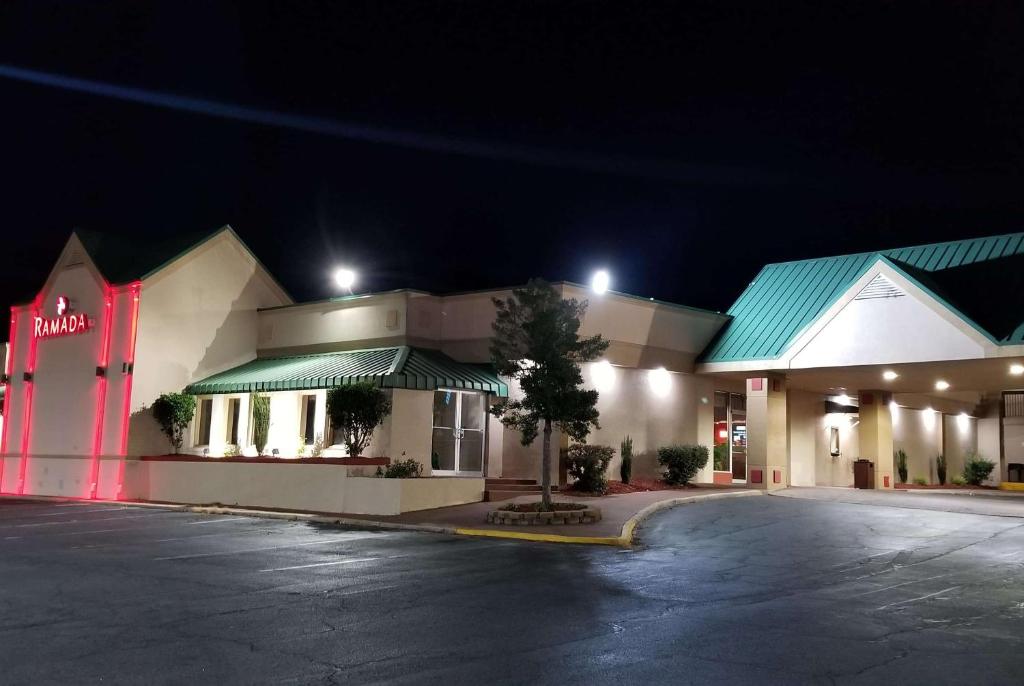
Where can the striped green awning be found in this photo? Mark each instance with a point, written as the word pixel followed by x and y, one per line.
pixel 398 367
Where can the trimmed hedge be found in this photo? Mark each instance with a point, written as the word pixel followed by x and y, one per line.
pixel 682 462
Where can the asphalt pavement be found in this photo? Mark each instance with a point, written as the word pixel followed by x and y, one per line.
pixel 751 590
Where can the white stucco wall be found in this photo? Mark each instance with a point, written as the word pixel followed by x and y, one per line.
pixel 370 321
pixel 197 317
pixel 961 437
pixel 887 330
pixel 920 434
pixel 315 488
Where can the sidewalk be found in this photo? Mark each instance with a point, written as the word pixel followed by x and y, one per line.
pixel 991 503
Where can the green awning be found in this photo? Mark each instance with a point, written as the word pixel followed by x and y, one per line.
pixel 398 367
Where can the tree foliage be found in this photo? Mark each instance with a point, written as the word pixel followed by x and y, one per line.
pixel 355 411
pixel 174 412
pixel 536 342
pixel 260 420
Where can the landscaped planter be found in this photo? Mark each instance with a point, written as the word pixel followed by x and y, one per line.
pixel 587 515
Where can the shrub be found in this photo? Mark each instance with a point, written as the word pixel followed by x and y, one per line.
pixel 977 468
pixel 940 468
pixel 355 411
pixel 626 451
pixel 587 465
pixel 260 420
pixel 318 446
pixel 682 462
pixel 900 457
pixel 403 469
pixel 174 411
pixel 920 481
pixel 720 456
pixel 232 451
pixel 957 480
pixel 301 449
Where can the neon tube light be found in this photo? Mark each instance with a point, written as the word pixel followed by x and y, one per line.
pixel 26 424
pixel 101 396
pixel 8 392
pixel 126 409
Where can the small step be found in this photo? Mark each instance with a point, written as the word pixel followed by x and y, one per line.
pixel 509 482
pixel 512 491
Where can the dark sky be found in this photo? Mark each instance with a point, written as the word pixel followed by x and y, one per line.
pixel 682 145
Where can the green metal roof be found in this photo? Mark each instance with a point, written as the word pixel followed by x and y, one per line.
pixel 397 367
pixel 786 298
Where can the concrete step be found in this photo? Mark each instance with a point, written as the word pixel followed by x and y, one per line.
pixel 508 492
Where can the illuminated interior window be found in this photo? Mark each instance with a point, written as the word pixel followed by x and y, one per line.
pixel 202 437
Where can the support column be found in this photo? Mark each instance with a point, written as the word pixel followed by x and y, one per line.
pixel 876 435
pixel 767 446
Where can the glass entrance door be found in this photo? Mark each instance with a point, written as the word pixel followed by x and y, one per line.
pixel 731 434
pixel 458 433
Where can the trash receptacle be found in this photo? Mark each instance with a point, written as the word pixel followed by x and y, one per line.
pixel 863 474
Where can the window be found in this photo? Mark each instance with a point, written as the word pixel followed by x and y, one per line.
pixel 202 437
pixel 307 419
pixel 234 410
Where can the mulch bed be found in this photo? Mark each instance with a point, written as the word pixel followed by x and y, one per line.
pixel 634 486
pixel 536 507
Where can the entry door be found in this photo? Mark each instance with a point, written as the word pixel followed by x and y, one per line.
pixel 738 436
pixel 458 440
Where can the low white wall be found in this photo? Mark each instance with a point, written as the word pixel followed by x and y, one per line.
pixel 313 487
pixel 394 496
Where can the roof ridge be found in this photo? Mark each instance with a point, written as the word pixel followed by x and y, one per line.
pixel 885 251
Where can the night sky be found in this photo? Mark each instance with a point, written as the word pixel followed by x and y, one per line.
pixel 680 145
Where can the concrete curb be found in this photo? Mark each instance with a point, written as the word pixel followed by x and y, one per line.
pixel 629 528
pixel 624 539
pixel 626 535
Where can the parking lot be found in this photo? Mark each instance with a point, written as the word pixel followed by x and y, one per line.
pixel 755 590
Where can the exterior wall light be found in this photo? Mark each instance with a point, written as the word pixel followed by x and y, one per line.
pixel 1017 369
pixel 941 385
pixel 602 374
pixel 660 381
pixel 894 411
pixel 928 417
pixel 889 375
pixel 600 281
pixel 963 422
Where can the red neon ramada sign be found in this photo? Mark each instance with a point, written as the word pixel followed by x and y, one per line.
pixel 65 323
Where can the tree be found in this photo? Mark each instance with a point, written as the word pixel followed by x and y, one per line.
pixel 355 411
pixel 536 342
pixel 174 412
pixel 260 420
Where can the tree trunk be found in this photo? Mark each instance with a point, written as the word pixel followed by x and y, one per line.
pixel 545 461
